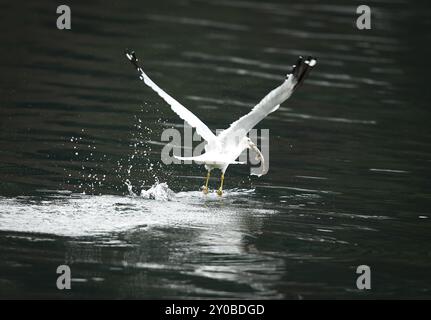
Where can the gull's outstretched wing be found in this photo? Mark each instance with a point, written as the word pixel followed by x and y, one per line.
pixel 177 107
pixel 271 101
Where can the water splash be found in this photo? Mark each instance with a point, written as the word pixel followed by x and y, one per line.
pixel 159 191
pixel 91 176
pixel 130 188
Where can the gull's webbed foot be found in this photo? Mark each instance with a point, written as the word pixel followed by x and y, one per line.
pixel 220 192
pixel 205 189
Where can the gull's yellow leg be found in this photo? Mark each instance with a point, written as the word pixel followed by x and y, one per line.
pixel 205 188
pixel 220 190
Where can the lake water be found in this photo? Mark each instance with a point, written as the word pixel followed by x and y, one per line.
pixel 80 137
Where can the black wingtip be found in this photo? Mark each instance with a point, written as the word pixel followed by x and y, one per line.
pixel 130 54
pixel 302 68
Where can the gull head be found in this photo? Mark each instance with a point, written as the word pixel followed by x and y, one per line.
pixel 259 156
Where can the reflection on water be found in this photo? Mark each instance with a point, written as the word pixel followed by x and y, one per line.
pixel 349 153
pixel 204 237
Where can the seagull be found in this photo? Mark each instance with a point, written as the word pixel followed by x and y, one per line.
pixel 223 149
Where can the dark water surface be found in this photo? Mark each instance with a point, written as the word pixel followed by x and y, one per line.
pixel 348 182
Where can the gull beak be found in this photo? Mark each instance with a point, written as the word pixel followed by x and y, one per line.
pixel 259 156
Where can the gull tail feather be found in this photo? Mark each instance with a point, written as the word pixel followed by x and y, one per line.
pixel 200 158
pixel 204 159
